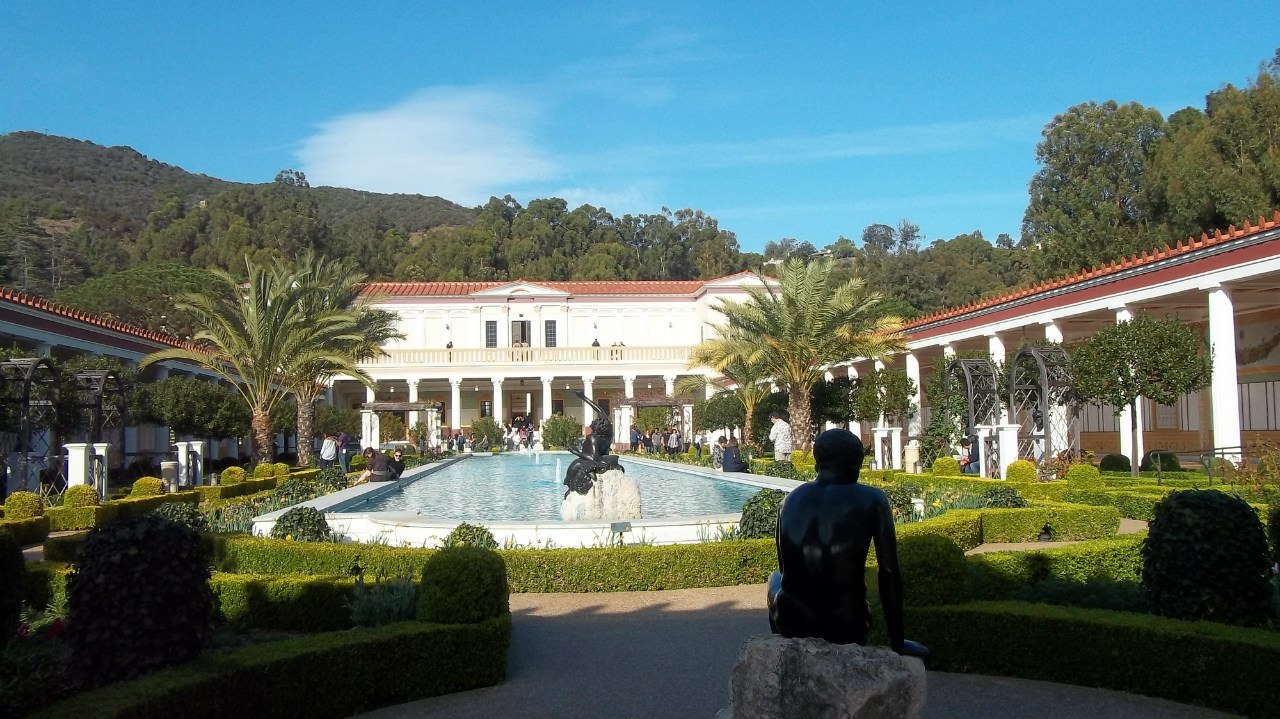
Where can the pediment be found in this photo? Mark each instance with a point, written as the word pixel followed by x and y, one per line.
pixel 521 288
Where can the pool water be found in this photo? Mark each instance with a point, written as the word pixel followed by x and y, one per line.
pixel 528 487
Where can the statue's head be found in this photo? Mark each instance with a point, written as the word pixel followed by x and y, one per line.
pixel 837 455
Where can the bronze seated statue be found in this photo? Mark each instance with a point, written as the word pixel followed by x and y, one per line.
pixel 825 529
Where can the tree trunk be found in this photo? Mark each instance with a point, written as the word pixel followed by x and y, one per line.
pixel 263 443
pixel 749 408
pixel 305 424
pixel 798 405
pixel 1133 437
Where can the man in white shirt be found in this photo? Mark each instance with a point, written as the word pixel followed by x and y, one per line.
pixel 780 435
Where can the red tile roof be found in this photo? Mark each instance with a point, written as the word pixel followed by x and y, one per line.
pixel 26 299
pixel 1137 260
pixel 580 288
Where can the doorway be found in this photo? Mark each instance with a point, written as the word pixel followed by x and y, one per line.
pixel 521 333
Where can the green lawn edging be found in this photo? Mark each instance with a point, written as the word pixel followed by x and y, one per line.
pixel 334 674
pixel 1216 665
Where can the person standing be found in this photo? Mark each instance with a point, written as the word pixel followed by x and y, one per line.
pixel 673 443
pixel 344 460
pixel 635 438
pixel 328 451
pixel 780 435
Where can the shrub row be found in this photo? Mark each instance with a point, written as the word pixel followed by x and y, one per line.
pixel 1221 666
pixel 717 564
pixel 1065 522
pixel 26 531
pixel 379 667
pixel 64 519
pixel 288 602
pixel 227 491
pixel 997 575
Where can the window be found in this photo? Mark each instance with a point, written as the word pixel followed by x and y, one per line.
pixel 486 408
pixel 557 406
pixel 491 333
pixel 521 333
pixel 549 333
pixel 1258 406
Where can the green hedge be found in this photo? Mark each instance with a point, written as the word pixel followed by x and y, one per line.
pixel 130 508
pixel 716 564
pixel 334 674
pixel 301 603
pixel 249 486
pixel 977 485
pixel 45 582
pixel 962 526
pixel 64 548
pixel 996 575
pixel 26 531
pixel 1065 521
pixel 65 519
pixel 1225 667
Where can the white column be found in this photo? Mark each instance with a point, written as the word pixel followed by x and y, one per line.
pixel 1127 437
pixel 1224 386
pixel 880 421
pixel 948 350
pixel 588 414
pixel 455 403
pixel 328 394
pixel 78 464
pixel 629 385
pixel 413 397
pixel 160 436
pixel 546 398
pixel 103 450
pixel 1057 427
pixel 1053 332
pixel 915 423
pixel 625 415
pixel 995 348
pixel 670 379
pixel 370 394
pixel 708 390
pixel 497 401
pixel 1007 437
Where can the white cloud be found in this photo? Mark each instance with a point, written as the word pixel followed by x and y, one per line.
pixel 463 144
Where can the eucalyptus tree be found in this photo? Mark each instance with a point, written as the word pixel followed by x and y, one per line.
pixel 333 287
pixel 795 328
pixel 259 335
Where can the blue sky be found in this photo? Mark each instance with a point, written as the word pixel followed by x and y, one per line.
pixel 807 121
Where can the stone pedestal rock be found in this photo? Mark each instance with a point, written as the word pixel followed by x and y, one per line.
pixel 613 496
pixel 807 678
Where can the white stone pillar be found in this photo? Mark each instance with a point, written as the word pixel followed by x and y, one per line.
pixel 708 390
pixel 687 426
pixel 183 468
pixel 880 421
pixel 369 429
pixel 546 398
pixel 1007 437
pixel 197 462
pixel 433 427
pixel 878 434
pixel 1127 436
pixel 370 394
pixel 328 394
pixel 103 450
pixel 626 411
pixel 498 409
pixel 588 414
pixel 895 438
pixel 948 350
pixel 983 431
pixel 1224 385
pixel 413 397
pixel 995 348
pixel 915 424
pixel 1057 426
pixel 455 404
pixel 78 466
pixel 670 380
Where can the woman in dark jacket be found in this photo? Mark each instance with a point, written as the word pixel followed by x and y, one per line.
pixel 733 458
pixel 395 465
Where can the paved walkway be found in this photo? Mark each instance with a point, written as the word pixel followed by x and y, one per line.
pixel 653 655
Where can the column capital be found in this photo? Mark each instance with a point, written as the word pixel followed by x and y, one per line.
pixel 547 379
pixel 497 381
pixel 628 378
pixel 670 377
pixel 588 379
pixel 455 381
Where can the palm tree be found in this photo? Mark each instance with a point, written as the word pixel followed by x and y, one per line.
pixel 259 335
pixel 797 327
pixel 334 286
pixel 751 381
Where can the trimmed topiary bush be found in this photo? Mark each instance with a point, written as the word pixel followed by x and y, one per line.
pixel 899 499
pixel 933 571
pixel 1167 462
pixel 331 480
pixel 138 599
pixel 148 487
pixel 232 475
pixel 1206 557
pixel 264 470
pixel 759 518
pixel 1084 476
pixel 280 469
pixel 946 467
pixel 560 431
pixel 783 470
pixel 1004 498
pixel 1115 463
pixel 302 524
pixel 23 505
pixel 463 585
pixel 13 575
pixel 183 513
pixel 80 495
pixel 1021 470
pixel 471 535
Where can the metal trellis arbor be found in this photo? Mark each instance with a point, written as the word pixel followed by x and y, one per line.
pixel 1043 403
pixel 101 405
pixel 29 406
pixel 982 402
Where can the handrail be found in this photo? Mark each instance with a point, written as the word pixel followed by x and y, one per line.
pixel 533 355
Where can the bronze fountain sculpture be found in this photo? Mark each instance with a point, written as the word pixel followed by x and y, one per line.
pixel 594 458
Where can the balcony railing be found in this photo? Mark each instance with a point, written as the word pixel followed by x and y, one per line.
pixel 535 355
